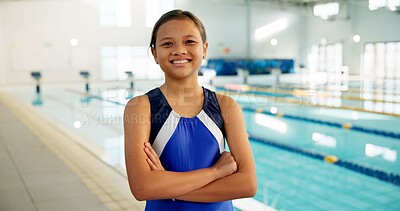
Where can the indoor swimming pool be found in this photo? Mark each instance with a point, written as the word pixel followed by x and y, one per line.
pixel 313 152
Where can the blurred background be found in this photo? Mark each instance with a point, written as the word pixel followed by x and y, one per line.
pixel 107 37
pixel 318 82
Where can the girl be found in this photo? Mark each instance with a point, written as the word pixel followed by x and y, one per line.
pixel 175 134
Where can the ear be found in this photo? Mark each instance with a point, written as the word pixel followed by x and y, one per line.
pixel 205 49
pixel 153 51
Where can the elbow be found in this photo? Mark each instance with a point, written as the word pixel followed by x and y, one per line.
pixel 251 188
pixel 139 196
pixel 139 192
pixel 144 190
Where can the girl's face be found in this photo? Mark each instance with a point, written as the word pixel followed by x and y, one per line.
pixel 179 48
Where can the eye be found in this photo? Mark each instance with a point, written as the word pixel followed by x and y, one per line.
pixel 166 44
pixel 190 41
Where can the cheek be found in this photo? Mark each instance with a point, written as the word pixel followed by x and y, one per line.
pixel 201 52
pixel 161 55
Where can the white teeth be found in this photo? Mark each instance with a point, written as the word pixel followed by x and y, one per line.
pixel 180 61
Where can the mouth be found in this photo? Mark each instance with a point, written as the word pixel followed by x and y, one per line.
pixel 182 61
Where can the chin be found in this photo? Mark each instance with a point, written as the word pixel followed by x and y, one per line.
pixel 184 75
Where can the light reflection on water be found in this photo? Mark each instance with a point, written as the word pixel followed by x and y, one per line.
pixel 286 180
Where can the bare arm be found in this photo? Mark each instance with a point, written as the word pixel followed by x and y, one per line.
pixel 241 184
pixel 146 184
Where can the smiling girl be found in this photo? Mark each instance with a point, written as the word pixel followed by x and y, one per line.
pixel 175 134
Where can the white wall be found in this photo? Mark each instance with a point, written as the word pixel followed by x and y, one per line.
pixel 2 68
pixel 32 31
pixel 372 26
pixel 225 24
pixel 36 36
pixel 39 39
pixel 288 38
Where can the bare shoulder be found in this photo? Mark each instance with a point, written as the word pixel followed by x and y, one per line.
pixel 226 102
pixel 137 106
pixel 138 101
pixel 230 109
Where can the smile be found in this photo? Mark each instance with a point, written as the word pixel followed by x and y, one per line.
pixel 180 61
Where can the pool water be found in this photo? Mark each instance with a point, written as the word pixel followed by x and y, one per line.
pixel 290 181
pixel 287 180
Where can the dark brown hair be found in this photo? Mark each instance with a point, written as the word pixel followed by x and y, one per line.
pixel 177 15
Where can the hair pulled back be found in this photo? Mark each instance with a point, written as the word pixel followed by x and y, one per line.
pixel 177 15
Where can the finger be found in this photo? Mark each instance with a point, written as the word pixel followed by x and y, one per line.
pixel 150 155
pixel 151 164
pixel 151 150
pixel 155 155
pixel 154 166
pixel 148 145
pixel 154 159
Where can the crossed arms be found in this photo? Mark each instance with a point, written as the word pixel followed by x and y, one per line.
pixel 231 177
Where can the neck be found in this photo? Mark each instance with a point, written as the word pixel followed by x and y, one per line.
pixel 184 98
pixel 181 88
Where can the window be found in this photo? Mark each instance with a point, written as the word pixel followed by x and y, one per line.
pixel 380 64
pixel 379 60
pixel 155 8
pixel 313 59
pixel 115 60
pixel 326 58
pixel 115 13
pixel 333 59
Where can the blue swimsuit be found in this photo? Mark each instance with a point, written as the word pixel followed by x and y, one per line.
pixel 186 144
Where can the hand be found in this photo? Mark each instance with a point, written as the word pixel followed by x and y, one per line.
pixel 226 165
pixel 152 158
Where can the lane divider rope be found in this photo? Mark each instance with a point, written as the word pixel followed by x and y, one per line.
pixel 320 94
pixel 376 173
pixel 298 101
pixel 380 174
pixel 346 125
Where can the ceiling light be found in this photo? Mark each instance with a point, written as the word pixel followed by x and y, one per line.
pixel 326 10
pixel 274 42
pixel 73 42
pixel 392 5
pixel 323 41
pixel 77 124
pixel 271 28
pixel 356 38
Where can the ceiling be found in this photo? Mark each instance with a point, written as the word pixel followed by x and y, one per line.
pixel 281 4
pixel 297 3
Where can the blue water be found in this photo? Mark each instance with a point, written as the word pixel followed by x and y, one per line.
pixel 286 180
pixel 379 101
pixel 297 182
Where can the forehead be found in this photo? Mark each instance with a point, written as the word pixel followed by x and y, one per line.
pixel 176 28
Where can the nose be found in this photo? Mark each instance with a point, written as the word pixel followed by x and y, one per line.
pixel 179 50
